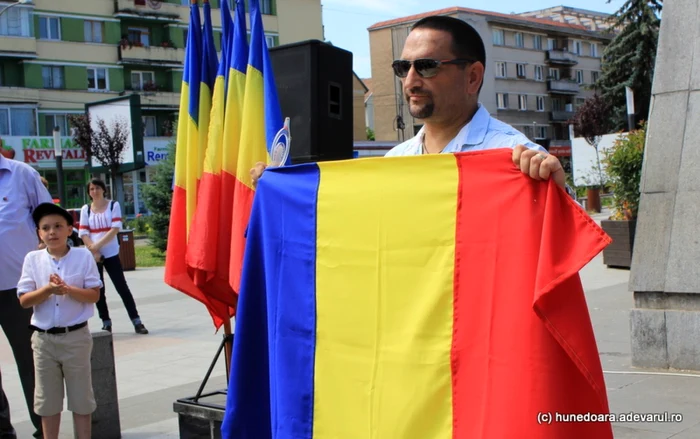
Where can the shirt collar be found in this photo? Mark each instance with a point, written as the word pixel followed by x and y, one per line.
pixel 473 133
pixel 477 128
pixel 4 163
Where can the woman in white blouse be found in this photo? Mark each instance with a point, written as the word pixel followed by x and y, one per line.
pixel 100 222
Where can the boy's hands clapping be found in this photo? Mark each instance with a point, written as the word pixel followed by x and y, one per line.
pixel 57 285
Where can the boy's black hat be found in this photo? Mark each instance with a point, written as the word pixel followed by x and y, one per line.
pixel 50 209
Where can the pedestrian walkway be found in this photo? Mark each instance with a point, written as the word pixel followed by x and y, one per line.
pixel 156 369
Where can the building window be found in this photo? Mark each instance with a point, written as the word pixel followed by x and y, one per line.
pixel 539 76
pixel 519 39
pixel 19 121
pixel 522 102
pixel 52 76
pixel 149 126
pixel 501 71
pixel 554 74
pixel 578 47
pixel 541 132
pixel 270 40
pixel 49 28
pixel 55 120
pixel 594 50
pixel 521 71
pixel 93 31
pixel 594 77
pixel 579 76
pixel 97 79
pixel 15 22
pixel 551 43
pixel 142 80
pixel 499 37
pixel 502 101
pixel 266 7
pixel 139 35
pixel 540 103
pixel 537 42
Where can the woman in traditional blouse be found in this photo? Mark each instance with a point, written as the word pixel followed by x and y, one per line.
pixel 100 223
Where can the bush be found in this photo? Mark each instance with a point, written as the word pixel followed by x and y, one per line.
pixel 140 224
pixel 158 199
pixel 624 167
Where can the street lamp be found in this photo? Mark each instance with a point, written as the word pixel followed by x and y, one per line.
pixel 59 165
pixel 18 2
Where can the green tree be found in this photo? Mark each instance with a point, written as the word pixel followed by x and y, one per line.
pixel 629 59
pixel 158 199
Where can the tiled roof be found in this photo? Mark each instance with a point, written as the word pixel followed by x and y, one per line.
pixel 456 9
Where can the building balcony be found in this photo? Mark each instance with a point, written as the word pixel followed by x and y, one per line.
pixel 563 86
pixel 148 10
pixel 20 94
pixel 152 55
pixel 77 52
pixel 17 47
pixel 157 100
pixel 562 57
pixel 73 99
pixel 561 116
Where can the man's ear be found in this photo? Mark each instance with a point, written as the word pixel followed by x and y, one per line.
pixel 475 77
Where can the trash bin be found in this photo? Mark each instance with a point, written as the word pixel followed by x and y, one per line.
pixel 127 253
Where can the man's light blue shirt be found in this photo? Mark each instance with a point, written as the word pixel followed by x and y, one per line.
pixel 482 132
pixel 21 190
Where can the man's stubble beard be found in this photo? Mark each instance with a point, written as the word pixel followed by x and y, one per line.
pixel 422 112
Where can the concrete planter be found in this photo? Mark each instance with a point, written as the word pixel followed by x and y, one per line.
pixel 619 253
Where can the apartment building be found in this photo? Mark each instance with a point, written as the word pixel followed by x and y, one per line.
pixel 56 56
pixel 538 71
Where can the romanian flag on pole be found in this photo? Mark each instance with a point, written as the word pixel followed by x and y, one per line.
pixel 209 65
pixel 186 174
pixel 412 298
pixel 206 243
pixel 261 120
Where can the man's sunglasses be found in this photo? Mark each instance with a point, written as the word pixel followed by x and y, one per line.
pixel 425 67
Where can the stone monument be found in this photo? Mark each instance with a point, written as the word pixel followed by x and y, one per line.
pixel 665 272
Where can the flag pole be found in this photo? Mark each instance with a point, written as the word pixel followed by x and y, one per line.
pixel 228 347
pixel 228 339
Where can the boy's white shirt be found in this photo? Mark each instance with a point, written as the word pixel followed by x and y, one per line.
pixel 77 268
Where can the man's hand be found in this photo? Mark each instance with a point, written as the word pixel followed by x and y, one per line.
pixel 539 165
pixel 256 172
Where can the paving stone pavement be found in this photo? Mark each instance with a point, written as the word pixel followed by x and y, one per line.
pixel 156 369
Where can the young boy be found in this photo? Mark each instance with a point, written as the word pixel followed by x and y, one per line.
pixel 62 284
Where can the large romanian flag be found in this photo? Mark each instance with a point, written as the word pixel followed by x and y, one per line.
pixel 427 297
pixel 261 120
pixel 206 242
pixel 187 173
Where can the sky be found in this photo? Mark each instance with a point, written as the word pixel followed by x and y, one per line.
pixel 346 21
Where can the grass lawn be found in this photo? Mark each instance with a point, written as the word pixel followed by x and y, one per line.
pixel 147 256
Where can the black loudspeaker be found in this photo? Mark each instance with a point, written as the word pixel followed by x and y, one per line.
pixel 314 84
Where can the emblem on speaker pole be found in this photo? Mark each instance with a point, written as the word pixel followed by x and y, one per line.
pixel 154 4
pixel 279 150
